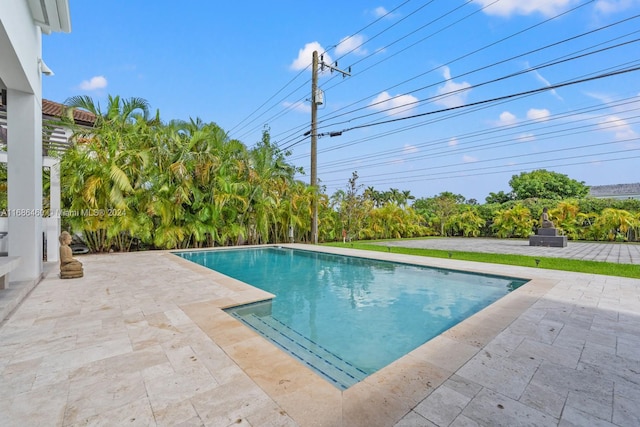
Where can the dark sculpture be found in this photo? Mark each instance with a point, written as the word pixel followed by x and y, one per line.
pixel 544 221
pixel 547 234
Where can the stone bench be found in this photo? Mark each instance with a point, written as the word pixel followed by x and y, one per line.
pixel 7 264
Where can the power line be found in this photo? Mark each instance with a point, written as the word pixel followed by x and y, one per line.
pixel 305 69
pixel 482 133
pixel 519 73
pixel 488 145
pixel 493 146
pixel 265 102
pixel 414 44
pixel 326 119
pixel 489 66
pixel 537 163
pixel 401 38
pixel 385 30
pixel 285 111
pixel 272 107
pixel 479 50
pixel 621 121
pixel 499 98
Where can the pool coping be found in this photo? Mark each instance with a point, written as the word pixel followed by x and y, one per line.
pixel 382 398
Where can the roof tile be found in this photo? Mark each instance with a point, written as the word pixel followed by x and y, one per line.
pixel 55 109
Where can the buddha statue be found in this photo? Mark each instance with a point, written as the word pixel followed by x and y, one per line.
pixel 70 268
pixel 544 221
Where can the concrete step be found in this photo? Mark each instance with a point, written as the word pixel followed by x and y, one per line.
pixel 337 371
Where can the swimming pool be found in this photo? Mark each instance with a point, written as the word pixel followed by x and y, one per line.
pixel 347 317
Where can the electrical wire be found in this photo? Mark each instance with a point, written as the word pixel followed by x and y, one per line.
pixel 334 115
pixel 499 98
pixel 484 68
pixel 305 69
pixel 498 144
pixel 295 136
pixel 513 137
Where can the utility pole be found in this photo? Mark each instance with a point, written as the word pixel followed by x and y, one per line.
pixel 314 148
pixel 314 136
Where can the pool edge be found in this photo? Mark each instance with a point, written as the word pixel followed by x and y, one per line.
pixel 385 396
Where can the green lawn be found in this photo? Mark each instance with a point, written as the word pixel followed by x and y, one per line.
pixel 594 267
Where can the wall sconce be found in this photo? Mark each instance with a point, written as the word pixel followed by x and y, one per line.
pixel 44 69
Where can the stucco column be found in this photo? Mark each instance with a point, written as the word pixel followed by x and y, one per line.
pixel 52 223
pixel 24 171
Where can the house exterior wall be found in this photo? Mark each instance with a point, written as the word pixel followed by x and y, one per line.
pixel 616 191
pixel 20 48
pixel 21 51
pixel 24 183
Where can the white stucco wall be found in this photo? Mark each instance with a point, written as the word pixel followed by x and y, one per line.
pixel 21 24
pixel 20 48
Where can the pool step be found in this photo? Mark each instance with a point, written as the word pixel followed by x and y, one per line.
pixel 336 370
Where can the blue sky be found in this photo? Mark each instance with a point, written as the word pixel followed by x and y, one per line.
pixel 444 95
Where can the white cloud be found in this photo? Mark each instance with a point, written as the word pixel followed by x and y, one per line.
pixel 297 106
pixel 453 142
pixel 613 101
pixel 608 7
pixel 519 7
pixel 379 50
pixel 526 137
pixel 457 91
pixel 97 82
pixel 604 98
pixel 399 104
pixel 305 56
pixel 507 119
pixel 538 114
pixel 544 81
pixel 621 129
pixel 469 159
pixel 351 44
pixel 381 11
pixel 409 149
pixel 614 124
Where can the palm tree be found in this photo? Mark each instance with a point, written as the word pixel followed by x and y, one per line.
pixel 193 184
pixel 565 216
pixel 469 223
pixel 406 196
pixel 514 222
pixel 372 194
pixel 102 172
pixel 586 230
pixel 615 223
pixel 268 176
pixel 119 111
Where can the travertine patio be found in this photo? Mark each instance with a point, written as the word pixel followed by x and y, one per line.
pixel 141 340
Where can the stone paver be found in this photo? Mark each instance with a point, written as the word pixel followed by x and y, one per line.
pixel 621 253
pixel 141 340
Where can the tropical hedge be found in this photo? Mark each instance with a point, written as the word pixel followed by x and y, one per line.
pixel 134 182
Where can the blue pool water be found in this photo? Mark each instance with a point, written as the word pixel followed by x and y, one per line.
pixel 347 317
